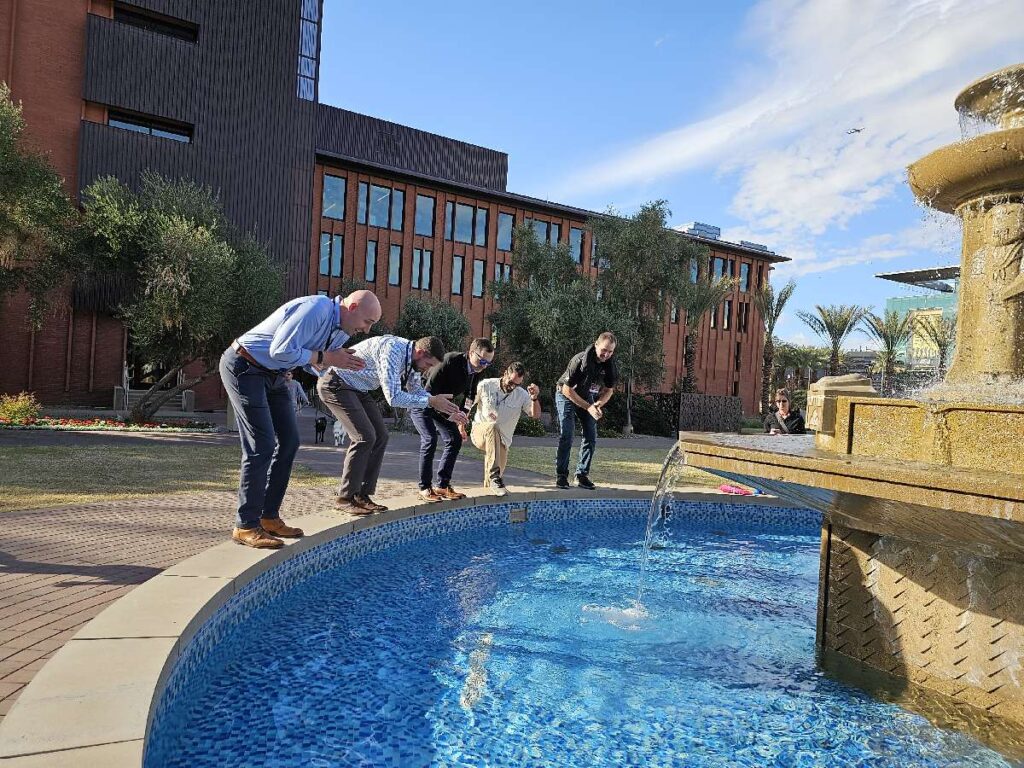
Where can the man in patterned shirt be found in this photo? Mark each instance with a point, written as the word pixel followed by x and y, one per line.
pixel 393 364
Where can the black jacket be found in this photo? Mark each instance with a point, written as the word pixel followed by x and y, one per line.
pixel 451 377
pixel 585 370
pixel 794 422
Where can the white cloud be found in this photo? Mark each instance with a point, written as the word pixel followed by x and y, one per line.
pixel 892 67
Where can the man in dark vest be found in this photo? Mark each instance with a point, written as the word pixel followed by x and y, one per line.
pixel 584 389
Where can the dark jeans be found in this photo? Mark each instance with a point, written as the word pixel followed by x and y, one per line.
pixel 269 434
pixel 567 414
pixel 428 423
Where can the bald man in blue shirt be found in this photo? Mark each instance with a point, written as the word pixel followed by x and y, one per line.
pixel 307 332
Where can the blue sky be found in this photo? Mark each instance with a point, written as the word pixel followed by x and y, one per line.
pixel 735 112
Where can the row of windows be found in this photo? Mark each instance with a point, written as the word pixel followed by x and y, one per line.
pixel 742 315
pixel 152 126
pixel 727 268
pixel 155 22
pixel 309 40
pixel 381 206
pixel 422 267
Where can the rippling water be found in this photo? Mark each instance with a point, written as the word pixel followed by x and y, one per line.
pixel 521 645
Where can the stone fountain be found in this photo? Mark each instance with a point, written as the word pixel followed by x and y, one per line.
pixel 922 550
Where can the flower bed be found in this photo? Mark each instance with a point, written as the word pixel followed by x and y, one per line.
pixel 81 425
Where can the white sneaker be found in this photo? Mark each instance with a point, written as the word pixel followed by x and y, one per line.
pixel 498 488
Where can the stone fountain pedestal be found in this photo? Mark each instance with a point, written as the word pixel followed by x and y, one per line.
pixel 922 549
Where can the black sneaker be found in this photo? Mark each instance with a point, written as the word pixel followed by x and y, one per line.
pixel 562 482
pixel 584 482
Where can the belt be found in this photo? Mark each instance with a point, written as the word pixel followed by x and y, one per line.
pixel 244 354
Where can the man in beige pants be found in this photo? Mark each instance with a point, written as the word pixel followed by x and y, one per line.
pixel 499 403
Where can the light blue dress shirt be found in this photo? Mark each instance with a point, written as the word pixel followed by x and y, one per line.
pixel 388 366
pixel 294 330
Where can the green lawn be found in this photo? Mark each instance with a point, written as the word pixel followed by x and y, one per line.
pixel 31 478
pixel 633 466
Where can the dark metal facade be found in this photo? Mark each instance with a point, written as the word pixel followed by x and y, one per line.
pixel 253 139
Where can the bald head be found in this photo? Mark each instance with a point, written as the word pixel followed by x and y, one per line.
pixel 362 310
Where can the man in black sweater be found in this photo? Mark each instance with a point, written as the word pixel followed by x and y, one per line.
pixel 456 376
pixel 584 389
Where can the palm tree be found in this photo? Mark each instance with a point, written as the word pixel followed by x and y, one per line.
pixel 696 300
pixel 770 305
pixel 834 324
pixel 892 331
pixel 940 331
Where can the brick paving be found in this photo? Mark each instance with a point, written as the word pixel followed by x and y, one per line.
pixel 60 567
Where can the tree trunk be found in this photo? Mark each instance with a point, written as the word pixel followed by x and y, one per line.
pixel 833 362
pixel 689 384
pixel 155 397
pixel 767 375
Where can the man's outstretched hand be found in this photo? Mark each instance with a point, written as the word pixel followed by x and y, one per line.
pixel 343 358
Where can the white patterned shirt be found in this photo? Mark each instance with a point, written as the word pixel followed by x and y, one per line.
pixel 388 366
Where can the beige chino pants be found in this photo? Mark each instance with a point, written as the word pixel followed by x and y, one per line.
pixel 487 438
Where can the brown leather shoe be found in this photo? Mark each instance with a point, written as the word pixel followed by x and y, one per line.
pixel 449 494
pixel 349 504
pixel 429 494
pixel 275 526
pixel 365 502
pixel 256 537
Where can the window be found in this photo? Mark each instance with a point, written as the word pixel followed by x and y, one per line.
pixel 395 265
pixel 478 277
pixel 760 275
pixel 463 223
pixel 540 228
pixel 322 293
pixel 718 268
pixel 364 196
pixel 449 220
pixel 371 261
pixel 732 268
pixel 424 216
pixel 506 221
pixel 674 314
pixel 333 203
pixel 694 270
pixel 309 44
pixel 556 234
pixel 156 22
pixel 714 317
pixel 502 273
pixel 337 255
pixel 727 315
pixel 739 355
pixel 152 126
pixel 481 226
pixel 397 209
pixel 744 277
pixel 325 253
pixel 380 205
pixel 457 269
pixel 743 315
pixel 735 389
pixel 576 244
pixel 593 250
pixel 421 266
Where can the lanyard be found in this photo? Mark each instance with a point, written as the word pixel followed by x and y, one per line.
pixel 408 365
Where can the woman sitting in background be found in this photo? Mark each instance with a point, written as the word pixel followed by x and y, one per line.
pixel 783 420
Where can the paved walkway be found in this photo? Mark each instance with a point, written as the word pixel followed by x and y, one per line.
pixel 60 567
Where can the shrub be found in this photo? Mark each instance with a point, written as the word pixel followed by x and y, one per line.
pixel 603 431
pixel 19 408
pixel 530 427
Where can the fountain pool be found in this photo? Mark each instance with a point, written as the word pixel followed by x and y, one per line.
pixel 458 638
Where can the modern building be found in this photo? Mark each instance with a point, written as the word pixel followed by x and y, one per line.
pixel 226 93
pixel 930 292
